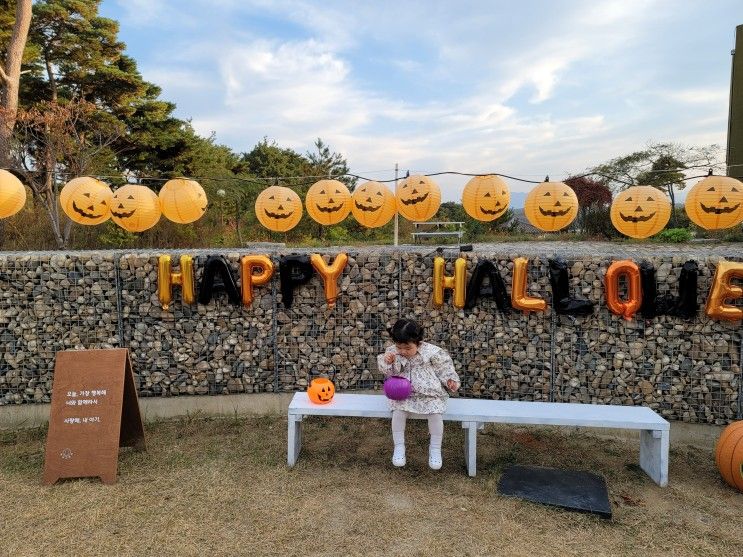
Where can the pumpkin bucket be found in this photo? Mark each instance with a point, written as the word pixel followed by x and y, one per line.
pixel 397 387
pixel 321 390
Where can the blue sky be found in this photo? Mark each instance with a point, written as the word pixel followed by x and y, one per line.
pixel 524 88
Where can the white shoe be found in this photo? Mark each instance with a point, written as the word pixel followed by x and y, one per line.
pixel 398 457
pixel 434 459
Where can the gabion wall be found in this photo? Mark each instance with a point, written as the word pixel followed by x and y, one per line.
pixel 686 370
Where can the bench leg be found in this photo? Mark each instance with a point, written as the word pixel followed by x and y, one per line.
pixel 294 440
pixel 470 447
pixel 654 447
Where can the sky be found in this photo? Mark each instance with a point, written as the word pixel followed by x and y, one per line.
pixel 528 89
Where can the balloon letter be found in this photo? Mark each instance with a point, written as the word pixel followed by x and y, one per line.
pixel 519 298
pixel 294 270
pixel 217 264
pixel 248 264
pixel 560 281
pixel 166 278
pixel 497 289
pixel 634 295
pixel 723 289
pixel 456 283
pixel 329 274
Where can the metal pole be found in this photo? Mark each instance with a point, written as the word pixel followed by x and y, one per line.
pixel 397 216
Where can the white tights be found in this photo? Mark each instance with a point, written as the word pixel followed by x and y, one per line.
pixel 435 428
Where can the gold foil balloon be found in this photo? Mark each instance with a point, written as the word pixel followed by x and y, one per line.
pixel 640 211
pixel 135 208
pixel 329 274
pixel 519 298
pixel 328 201
pixel 418 198
pixel 486 198
pixel 86 200
pixel 278 208
pixel 167 278
pixel 723 289
pixel 457 283
pixel 373 204
pixel 715 202
pixel 551 206
pixel 12 194
pixel 182 201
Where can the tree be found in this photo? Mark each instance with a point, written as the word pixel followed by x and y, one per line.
pixel 661 165
pixel 592 196
pixel 10 72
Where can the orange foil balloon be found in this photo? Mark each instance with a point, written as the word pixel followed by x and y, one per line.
pixel 249 264
pixel 723 289
pixel 458 282
pixel 626 308
pixel 329 274
pixel 519 298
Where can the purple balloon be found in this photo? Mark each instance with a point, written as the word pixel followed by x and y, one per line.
pixel 397 387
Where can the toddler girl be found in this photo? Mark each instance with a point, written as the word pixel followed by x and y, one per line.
pixel 429 369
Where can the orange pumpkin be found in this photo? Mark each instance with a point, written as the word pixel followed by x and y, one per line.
pixel 418 198
pixel 373 204
pixel 278 208
pixel 86 200
pixel 640 211
pixel 729 455
pixel 486 198
pixel 551 206
pixel 328 201
pixel 715 202
pixel 135 208
pixel 321 390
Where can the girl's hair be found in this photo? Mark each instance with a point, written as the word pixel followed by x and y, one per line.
pixel 406 330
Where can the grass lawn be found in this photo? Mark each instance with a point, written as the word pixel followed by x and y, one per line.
pixel 221 487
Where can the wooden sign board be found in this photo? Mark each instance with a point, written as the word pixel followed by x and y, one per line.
pixel 94 412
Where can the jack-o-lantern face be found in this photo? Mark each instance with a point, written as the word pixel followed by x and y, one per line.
pixel 373 204
pixel 486 198
pixel 278 208
pixel 86 200
pixel 328 201
pixel 321 390
pixel 182 201
pixel 640 211
pixel 418 198
pixel 551 206
pixel 716 202
pixel 135 208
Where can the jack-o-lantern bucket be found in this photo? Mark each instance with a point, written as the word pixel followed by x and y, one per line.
pixel 321 390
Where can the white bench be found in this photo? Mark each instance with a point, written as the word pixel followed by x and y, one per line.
pixel 474 413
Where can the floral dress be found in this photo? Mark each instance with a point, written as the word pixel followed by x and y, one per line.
pixel 428 371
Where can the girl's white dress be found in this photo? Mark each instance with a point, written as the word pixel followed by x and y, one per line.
pixel 428 371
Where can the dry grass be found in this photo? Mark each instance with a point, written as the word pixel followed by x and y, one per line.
pixel 221 487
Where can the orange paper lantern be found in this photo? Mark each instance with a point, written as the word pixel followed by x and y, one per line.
pixel 486 198
pixel 551 206
pixel 418 198
pixel 640 211
pixel 278 208
pixel 86 200
pixel 373 204
pixel 328 201
pixel 183 201
pixel 716 202
pixel 135 208
pixel 12 194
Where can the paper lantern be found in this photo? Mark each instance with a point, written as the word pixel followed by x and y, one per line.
pixel 12 194
pixel 321 390
pixel 328 201
pixel 182 201
pixel 729 455
pixel 551 206
pixel 715 202
pixel 640 211
pixel 135 208
pixel 86 200
pixel 418 198
pixel 278 208
pixel 397 387
pixel 486 198
pixel 373 204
